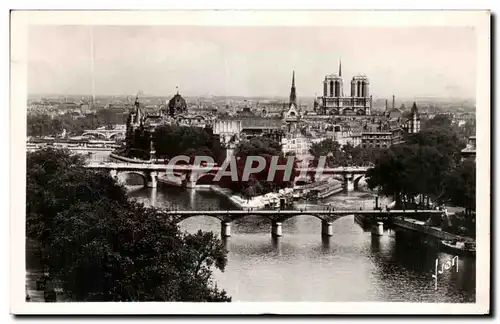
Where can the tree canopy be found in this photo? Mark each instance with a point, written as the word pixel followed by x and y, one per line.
pixel 106 248
pixel 257 183
pixel 428 163
pixel 338 155
pixel 174 140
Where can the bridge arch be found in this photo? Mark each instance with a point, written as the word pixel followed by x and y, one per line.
pixel 338 177
pixel 283 218
pixel 97 134
pixel 358 178
pixel 206 178
pixel 233 218
pixel 114 136
pixel 181 218
pixel 139 173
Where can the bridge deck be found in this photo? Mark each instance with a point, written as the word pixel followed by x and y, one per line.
pixel 153 166
pixel 299 212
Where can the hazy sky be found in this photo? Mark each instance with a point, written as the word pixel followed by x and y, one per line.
pixel 250 61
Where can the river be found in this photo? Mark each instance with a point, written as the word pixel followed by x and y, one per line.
pixel 351 266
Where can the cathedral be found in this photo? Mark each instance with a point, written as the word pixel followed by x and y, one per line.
pixel 334 102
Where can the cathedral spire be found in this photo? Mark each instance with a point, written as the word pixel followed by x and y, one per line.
pixel 136 103
pixel 293 95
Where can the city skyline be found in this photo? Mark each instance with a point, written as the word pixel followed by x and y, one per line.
pixel 250 61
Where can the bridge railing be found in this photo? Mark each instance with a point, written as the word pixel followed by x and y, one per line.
pixel 191 166
pixel 172 210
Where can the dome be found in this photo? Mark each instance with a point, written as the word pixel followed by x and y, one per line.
pixel 177 105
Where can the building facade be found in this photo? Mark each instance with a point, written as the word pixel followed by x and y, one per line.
pixel 335 102
pixel 414 120
pixel 469 152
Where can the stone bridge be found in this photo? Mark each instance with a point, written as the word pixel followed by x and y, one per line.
pixel 277 217
pixel 350 176
pixel 109 134
pixel 150 171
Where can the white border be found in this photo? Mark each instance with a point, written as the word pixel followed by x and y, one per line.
pixel 19 23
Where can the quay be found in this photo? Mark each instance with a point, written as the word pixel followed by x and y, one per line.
pixel 413 225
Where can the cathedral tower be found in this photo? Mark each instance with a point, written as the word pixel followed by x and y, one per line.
pixel 293 94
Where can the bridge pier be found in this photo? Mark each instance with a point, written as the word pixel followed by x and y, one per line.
pixel 152 179
pixel 188 181
pixel 225 229
pixel 276 230
pixel 345 184
pixel 113 173
pixel 326 228
pixel 355 184
pixel 189 184
pixel 378 229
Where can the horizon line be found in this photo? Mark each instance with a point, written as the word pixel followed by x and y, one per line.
pixel 241 96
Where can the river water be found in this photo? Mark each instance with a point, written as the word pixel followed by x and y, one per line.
pixel 351 266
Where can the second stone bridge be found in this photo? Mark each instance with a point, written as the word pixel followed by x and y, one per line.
pixel 277 217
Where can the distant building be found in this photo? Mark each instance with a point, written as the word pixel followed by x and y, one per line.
pixel 246 125
pixel 469 152
pixel 376 139
pixel 296 143
pixel 334 102
pixel 292 116
pixel 177 105
pixel 413 124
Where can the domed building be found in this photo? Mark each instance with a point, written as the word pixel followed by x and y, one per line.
pixel 177 105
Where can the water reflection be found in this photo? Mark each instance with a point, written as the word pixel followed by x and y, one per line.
pixel 352 265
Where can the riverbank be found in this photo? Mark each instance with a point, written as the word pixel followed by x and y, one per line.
pixel 258 202
pixel 432 231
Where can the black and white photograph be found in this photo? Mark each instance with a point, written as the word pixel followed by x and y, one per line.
pixel 245 161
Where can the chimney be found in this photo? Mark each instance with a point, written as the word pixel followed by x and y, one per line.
pixel 393 101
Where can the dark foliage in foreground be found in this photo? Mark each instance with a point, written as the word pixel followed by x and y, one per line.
pixel 104 247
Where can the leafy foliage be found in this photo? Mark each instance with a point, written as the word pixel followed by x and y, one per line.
pixel 460 185
pixel 346 155
pixel 428 164
pixel 107 248
pixel 173 140
pixel 258 183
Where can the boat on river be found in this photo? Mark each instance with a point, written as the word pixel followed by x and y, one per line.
pixel 459 247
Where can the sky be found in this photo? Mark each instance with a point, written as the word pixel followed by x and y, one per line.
pixel 250 61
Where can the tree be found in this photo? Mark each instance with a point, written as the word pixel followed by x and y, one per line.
pixel 106 248
pixel 346 155
pixel 422 165
pixel 258 146
pixel 460 186
pixel 406 171
pixel 172 140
